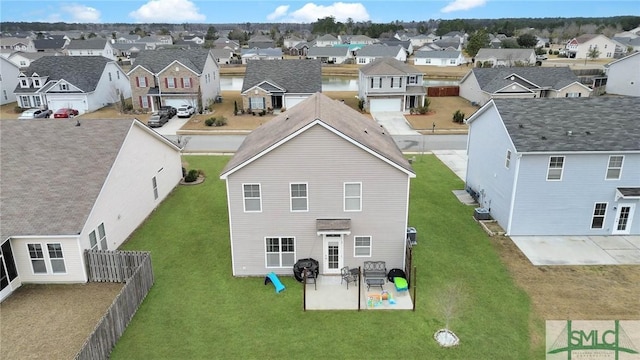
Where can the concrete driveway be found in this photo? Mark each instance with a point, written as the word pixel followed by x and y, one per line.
pixel 394 122
pixel 173 125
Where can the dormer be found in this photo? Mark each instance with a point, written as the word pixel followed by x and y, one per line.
pixel 63 86
pixel 25 82
pixel 37 81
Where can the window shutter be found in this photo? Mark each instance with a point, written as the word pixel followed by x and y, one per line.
pixel 148 101
pixel 137 81
pixel 146 82
pixel 140 100
pixel 264 103
pixel 182 82
pixel 166 82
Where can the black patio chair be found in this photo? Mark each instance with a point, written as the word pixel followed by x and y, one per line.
pixel 347 276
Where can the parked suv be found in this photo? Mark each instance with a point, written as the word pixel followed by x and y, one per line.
pixel 157 120
pixel 186 111
pixel 168 111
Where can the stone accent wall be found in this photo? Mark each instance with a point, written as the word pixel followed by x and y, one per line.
pixel 246 102
pixel 136 91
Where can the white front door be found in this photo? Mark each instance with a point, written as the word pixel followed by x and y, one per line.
pixel 332 254
pixel 624 216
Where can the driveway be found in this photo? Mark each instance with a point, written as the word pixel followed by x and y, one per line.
pixel 394 122
pixel 173 125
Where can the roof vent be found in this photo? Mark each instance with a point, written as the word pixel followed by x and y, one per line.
pixel 569 132
pixel 588 132
pixel 543 137
pixel 521 126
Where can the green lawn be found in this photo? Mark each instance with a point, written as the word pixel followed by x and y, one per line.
pixel 197 310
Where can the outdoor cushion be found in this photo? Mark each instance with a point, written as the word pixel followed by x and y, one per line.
pixel 401 284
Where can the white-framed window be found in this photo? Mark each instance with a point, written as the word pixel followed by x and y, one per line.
pixel 103 237
pixel 252 198
pixel 614 168
pixel 36 83
pixel 507 160
pixel 556 164
pixel 144 102
pixel 4 94
pixel 427 61
pixel 37 102
pixel 280 252
pixel 56 258
pixel 142 81
pixel 362 246
pixel 23 63
pixel 171 82
pixel 413 79
pixel 257 102
pixel 452 61
pixel 362 61
pixel 376 82
pixel 352 196
pixel 93 240
pixel 396 82
pixel 64 87
pixel 155 188
pixel 573 94
pixel 299 197
pixel 24 83
pixel 37 259
pixel 599 212
pixel 26 103
pixel 118 75
pixel 186 82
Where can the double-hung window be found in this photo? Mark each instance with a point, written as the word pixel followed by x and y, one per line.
pixel 299 197
pixel 257 103
pixel 103 237
pixel 280 252
pixel 352 196
pixel 556 164
pixel 56 258
pixel 252 199
pixel 186 82
pixel 362 246
pixel 154 183
pixel 142 81
pixel 599 212
pixel 93 240
pixel 37 258
pixel 396 82
pixel 614 168
pixel 507 161
pixel 171 82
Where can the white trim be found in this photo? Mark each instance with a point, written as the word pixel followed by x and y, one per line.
pixel 344 196
pixel 280 252
pixel 606 173
pixel 512 205
pixel 325 255
pixel 233 259
pixel 370 246
pixel 561 168
pixel 244 199
pixel 627 229
pixel 604 216
pixel 306 197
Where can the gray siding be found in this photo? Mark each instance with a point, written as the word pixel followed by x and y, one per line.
pixel 470 90
pixel 324 161
pixel 386 84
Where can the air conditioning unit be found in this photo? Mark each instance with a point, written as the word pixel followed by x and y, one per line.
pixel 481 214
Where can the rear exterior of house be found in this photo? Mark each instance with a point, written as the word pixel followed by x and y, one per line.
pixel 538 176
pixel 316 192
pixel 623 76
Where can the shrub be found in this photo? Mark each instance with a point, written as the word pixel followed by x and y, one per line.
pixel 458 117
pixel 222 121
pixel 18 109
pixel 423 110
pixel 426 105
pixel 361 104
pixel 192 176
pixel 210 121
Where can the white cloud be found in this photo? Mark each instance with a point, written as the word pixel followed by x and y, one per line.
pixel 76 13
pixel 458 5
pixel 311 12
pixel 279 12
pixel 172 11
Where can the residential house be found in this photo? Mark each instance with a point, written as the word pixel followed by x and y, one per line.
pixel 223 42
pixel 194 39
pixel 291 41
pixel 421 40
pixel 371 53
pixel 387 84
pixel 173 77
pixel 50 45
pixel 458 36
pixel 442 45
pixel 633 33
pixel 360 40
pixel 630 43
pixel 8 80
pixel 223 56
pixel 84 83
pixel 17 44
pixel 128 50
pixel 538 173
pixel 506 57
pixel 623 76
pixel 279 84
pixel 76 186
pixel 128 38
pixel 406 45
pixel 24 59
pixel 330 54
pixel 480 85
pixel 581 46
pixel 261 42
pixel 439 58
pixel 289 198
pixel 260 54
pixel 326 40
pixel 301 49
pixel 92 47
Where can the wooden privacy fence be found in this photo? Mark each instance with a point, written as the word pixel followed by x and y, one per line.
pixel 437 91
pixel 135 270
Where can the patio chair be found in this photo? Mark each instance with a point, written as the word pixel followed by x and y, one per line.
pixel 347 276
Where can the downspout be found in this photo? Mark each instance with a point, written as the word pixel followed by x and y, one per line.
pixel 513 193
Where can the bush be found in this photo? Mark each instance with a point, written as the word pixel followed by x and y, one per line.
pixel 458 117
pixel 222 121
pixel 210 121
pixel 361 105
pixel 192 176
pixel 18 109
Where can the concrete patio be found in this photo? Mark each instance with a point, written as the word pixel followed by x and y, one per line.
pixel 329 294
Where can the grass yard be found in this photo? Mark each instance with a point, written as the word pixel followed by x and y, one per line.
pixel 197 310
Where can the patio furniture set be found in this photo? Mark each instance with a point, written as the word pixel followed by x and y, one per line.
pixel 375 274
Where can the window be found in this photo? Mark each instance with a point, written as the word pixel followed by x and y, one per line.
pixel 362 246
pixel 56 258
pixel 24 83
pixel 556 164
pixel 142 81
pixel 256 103
pixel 110 78
pixel 299 200
pixel 352 197
pixel 64 87
pixel 103 237
pixel 572 95
pixel 507 160
pixel 599 211
pixel 155 188
pixel 362 61
pixel 118 75
pixel 37 258
pixel 614 169
pixel 36 83
pixel 452 61
pixel 23 63
pixel 252 200
pixel 376 83
pixel 171 82
pixel 396 82
pixel 144 102
pixel 4 94
pixel 25 101
pixel 37 101
pixel 427 61
pixel 93 241
pixel 186 82
pixel 280 252
pixel 413 79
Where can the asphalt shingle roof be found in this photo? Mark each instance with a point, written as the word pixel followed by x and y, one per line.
pixel 334 114
pixel 87 44
pixel 51 44
pixel 81 71
pixel 505 54
pixel 328 51
pixel 445 54
pixel 604 123
pixel 494 79
pixel 156 60
pixel 52 172
pixel 296 76
pixel 388 66
pixel 380 50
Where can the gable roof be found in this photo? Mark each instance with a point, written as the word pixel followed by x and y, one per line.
pixel 328 51
pixel 296 76
pixel 157 60
pixel 53 171
pixel 380 50
pixel 388 66
pixel 49 44
pixel 83 72
pixel 327 37
pixel 581 128
pixel 321 110
pixel 445 54
pixel 494 79
pixel 87 44
pixel 505 54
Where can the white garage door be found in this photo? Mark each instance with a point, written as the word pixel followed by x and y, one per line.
pixel 56 104
pixel 291 101
pixel 179 101
pixel 385 105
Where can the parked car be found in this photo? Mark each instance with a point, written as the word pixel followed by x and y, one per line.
pixel 157 120
pixel 169 111
pixel 541 57
pixel 186 111
pixel 35 114
pixel 65 113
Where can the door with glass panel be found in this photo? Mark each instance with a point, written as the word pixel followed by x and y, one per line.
pixel 332 254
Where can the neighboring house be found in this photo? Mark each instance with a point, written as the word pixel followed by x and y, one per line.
pixel 261 42
pixel 301 49
pixel 390 85
pixel 24 59
pixel 127 39
pixel 421 39
pixel 406 45
pixel 581 46
pixel 194 39
pixel 279 84
pixel 371 53
pixel 173 77
pixel 260 54
pixel 223 56
pixel 623 76
pixel 319 181
pixel 8 80
pixel 73 188
pixel 538 173
pixel 84 83
pixel 17 44
pixel 326 40
pixel 630 43
pixel 223 42
pixel 330 54
pixel 128 50
pixel 93 47
pixel 480 85
pixel 439 58
pixel 50 45
pixel 506 57
pixel 458 36
pixel 292 41
pixel 361 40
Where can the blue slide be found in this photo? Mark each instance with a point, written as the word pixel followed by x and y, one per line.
pixel 273 278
